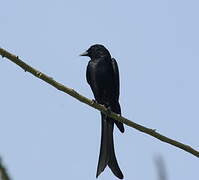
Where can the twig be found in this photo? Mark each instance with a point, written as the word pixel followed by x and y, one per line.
pixel 161 168
pixel 76 95
pixel 3 172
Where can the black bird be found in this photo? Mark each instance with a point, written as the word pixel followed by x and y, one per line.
pixel 103 77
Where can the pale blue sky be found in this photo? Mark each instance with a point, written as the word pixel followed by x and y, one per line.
pixel 46 134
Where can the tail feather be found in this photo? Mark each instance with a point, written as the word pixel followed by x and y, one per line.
pixel 103 156
pixel 113 164
pixel 107 152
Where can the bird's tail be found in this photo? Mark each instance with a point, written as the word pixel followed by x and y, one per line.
pixel 107 152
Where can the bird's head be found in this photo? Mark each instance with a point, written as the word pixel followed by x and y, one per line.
pixel 96 51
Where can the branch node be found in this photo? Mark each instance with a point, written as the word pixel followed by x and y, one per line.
pixel 39 74
pixel 75 92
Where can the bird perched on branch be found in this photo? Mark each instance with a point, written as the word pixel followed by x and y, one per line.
pixel 103 77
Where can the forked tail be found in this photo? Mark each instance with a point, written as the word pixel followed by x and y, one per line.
pixel 107 152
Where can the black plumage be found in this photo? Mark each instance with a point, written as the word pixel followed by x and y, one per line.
pixel 103 77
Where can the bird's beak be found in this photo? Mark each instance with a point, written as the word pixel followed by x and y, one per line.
pixel 84 53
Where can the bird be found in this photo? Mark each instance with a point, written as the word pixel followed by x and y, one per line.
pixel 102 74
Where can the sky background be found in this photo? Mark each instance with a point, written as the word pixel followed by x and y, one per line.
pixel 46 134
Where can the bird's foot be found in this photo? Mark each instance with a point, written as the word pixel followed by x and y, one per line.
pixel 108 110
pixel 94 101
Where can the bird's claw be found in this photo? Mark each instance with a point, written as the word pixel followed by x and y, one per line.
pixel 93 101
pixel 108 110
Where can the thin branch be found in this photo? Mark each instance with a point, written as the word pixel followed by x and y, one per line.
pixel 3 172
pixel 76 95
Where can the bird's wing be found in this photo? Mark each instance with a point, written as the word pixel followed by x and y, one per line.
pixel 116 78
pixel 92 82
pixel 88 74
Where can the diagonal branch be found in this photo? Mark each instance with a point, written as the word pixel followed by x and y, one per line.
pixel 76 95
